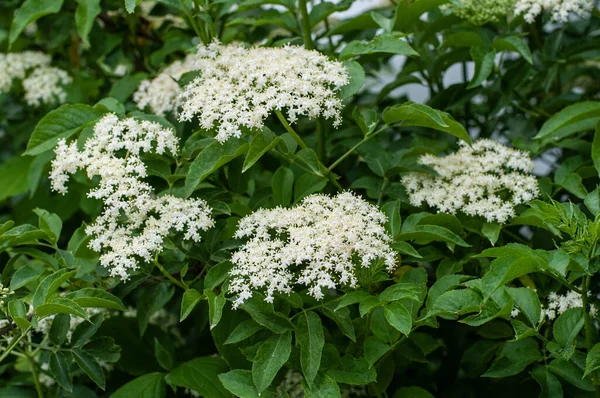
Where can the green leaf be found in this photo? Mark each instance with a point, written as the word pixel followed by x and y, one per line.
pixel 514 358
pixel 374 348
pixel 264 314
pixel 18 312
pixel 270 357
pixel 596 149
pixel 61 324
pixel 406 248
pixel 90 366
pixel 571 373
pixel 394 221
pixel 408 14
pixel 551 387
pixel 200 374
pixel 211 159
pixel 242 331
pixel 399 317
pixel 307 184
pixel 491 231
pixel 90 297
pixel 151 385
pixel 215 306
pixel 513 43
pixel 385 43
pixel 59 368
pixel 413 392
pixel 484 64
pixel 366 118
pixel 399 291
pixel 30 11
pixel 357 79
pixel 262 142
pixel 14 176
pixel 427 233
pixel 504 270
pixel 353 371
pixel 573 119
pixel 217 274
pixel 239 383
pixel 191 297
pixel 309 334
pixel 282 184
pixel 60 123
pixel 85 330
pixel 49 223
pixel 528 302
pixel 60 306
pixel 342 318
pixel 457 302
pixel 85 15
pixel 130 5
pixel 49 285
pixel 567 326
pixel 592 361
pixel 163 356
pixel 323 387
pixel 419 115
pixel 24 275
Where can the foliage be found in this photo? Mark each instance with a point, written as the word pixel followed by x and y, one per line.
pixel 367 294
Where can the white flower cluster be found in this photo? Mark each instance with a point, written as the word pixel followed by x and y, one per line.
pixel 44 85
pixel 315 244
pixel 559 303
pixel 487 179
pixel 161 94
pixel 134 222
pixel 560 9
pixel 240 87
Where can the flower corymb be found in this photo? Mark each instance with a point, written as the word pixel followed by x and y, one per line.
pixel 134 222
pixel 239 87
pixel 317 243
pixel 487 179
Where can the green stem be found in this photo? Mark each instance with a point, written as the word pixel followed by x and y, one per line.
pixel 13 344
pixel 36 379
pixel 326 172
pixel 168 275
pixel 197 29
pixel 564 282
pixel 321 151
pixel 306 28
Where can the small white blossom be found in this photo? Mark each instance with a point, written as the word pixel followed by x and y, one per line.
pixel 559 303
pixel 44 85
pixel 161 94
pixel 134 222
pixel 4 294
pixel 240 87
pixel 487 179
pixel 315 244
pixel 560 9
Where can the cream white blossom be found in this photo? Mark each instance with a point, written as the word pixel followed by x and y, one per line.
pixel 560 9
pixel 46 86
pixel 42 83
pixel 317 243
pixel 5 293
pixel 240 87
pixel 486 179
pixel 161 94
pixel 559 303
pixel 134 222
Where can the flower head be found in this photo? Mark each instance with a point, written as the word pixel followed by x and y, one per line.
pixel 487 179
pixel 44 85
pixel 161 94
pixel 316 243
pixel 134 222
pixel 239 87
pixel 560 9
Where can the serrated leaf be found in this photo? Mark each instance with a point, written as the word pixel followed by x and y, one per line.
pixel 270 357
pixel 90 366
pixel 385 43
pixel 59 368
pixel 262 142
pixel 30 11
pixel 573 119
pixel 60 306
pixel 191 297
pixel 239 382
pixel 151 385
pixel 309 334
pixel 85 15
pixel 201 374
pixel 60 123
pixel 96 298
